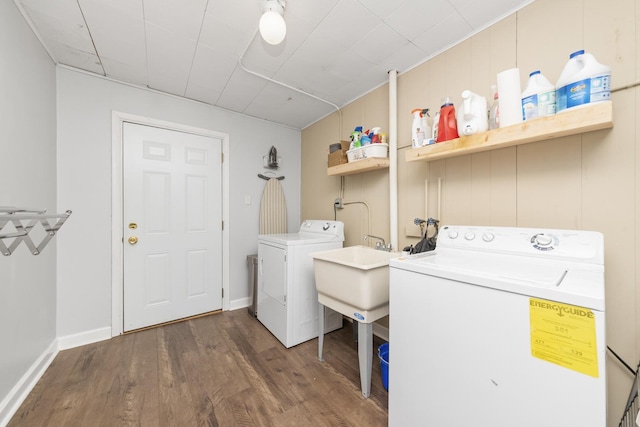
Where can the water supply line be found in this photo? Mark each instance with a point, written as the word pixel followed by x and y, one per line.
pixel 368 212
pixel 393 159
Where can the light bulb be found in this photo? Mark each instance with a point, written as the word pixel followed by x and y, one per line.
pixel 272 27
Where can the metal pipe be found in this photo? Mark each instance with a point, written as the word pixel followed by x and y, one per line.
pixel 393 158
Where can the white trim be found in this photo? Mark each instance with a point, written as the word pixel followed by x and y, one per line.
pixel 237 304
pixel 84 338
pixel 117 268
pixel 380 331
pixel 12 401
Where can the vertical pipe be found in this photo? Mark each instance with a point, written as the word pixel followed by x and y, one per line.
pixel 393 159
pixel 426 199
pixel 439 199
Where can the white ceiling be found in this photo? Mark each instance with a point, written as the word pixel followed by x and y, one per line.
pixel 208 50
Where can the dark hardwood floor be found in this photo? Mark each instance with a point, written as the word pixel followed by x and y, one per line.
pixel 220 370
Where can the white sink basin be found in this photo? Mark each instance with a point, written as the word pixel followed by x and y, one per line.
pixel 354 281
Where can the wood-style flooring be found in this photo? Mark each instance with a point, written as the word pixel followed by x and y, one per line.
pixel 220 370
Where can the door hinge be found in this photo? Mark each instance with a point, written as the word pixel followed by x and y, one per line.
pixel 221 157
pixel 222 292
pixel 222 225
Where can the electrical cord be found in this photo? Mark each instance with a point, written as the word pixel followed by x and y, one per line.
pixel 629 368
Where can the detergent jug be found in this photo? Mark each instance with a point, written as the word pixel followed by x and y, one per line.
pixel 472 116
pixel 418 131
pixel 583 80
pixel 447 125
pixel 539 97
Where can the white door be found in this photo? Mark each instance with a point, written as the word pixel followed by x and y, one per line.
pixel 172 225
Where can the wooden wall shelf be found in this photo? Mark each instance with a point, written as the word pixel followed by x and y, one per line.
pixel 364 165
pixel 572 122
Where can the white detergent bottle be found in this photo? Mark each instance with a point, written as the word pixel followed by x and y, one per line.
pixel 582 81
pixel 494 113
pixel 426 127
pixel 434 129
pixel 417 130
pixel 539 97
pixel 472 114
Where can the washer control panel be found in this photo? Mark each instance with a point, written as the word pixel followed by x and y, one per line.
pixel 565 244
pixel 318 226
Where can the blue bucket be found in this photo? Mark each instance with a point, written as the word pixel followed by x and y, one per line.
pixel 383 354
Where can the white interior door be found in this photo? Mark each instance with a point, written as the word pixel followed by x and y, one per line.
pixel 172 203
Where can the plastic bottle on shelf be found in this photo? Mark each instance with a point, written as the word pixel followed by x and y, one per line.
pixel 417 130
pixel 539 97
pixel 494 111
pixel 583 80
pixel 426 127
pixel 434 130
pixel 447 124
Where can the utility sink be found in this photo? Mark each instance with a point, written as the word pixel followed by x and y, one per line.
pixel 354 281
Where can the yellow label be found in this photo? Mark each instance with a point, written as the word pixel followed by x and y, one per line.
pixel 564 334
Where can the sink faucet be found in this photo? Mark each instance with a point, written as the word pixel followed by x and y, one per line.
pixel 381 245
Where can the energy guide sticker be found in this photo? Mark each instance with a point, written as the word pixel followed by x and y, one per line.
pixel 564 335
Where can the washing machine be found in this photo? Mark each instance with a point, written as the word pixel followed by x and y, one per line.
pixel 287 296
pixel 500 327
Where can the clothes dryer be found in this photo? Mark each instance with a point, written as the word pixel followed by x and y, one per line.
pixel 287 296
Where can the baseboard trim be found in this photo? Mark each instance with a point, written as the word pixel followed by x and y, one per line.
pixel 10 404
pixel 380 331
pixel 84 338
pixel 239 303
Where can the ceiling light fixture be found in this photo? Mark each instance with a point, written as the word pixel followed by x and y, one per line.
pixel 272 25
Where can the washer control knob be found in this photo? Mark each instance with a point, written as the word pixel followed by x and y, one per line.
pixel 453 234
pixel 326 226
pixel 543 240
pixel 470 235
pixel 488 237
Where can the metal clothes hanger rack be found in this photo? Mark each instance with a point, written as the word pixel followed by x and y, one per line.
pixel 24 220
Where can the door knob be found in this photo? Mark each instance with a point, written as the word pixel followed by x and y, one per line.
pixel 133 240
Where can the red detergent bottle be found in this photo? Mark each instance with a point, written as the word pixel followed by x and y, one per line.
pixel 447 124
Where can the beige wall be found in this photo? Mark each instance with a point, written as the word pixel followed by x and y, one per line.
pixel 589 181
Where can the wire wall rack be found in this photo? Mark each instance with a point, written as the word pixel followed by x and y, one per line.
pixel 18 223
pixel 631 417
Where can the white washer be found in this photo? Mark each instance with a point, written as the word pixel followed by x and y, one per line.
pixel 287 296
pixel 499 327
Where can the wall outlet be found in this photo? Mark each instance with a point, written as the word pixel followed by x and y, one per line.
pixel 338 203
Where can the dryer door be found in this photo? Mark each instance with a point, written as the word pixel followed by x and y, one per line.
pixel 273 267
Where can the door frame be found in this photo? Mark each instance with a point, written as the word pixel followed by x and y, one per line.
pixel 117 204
